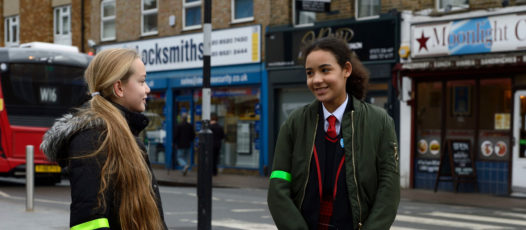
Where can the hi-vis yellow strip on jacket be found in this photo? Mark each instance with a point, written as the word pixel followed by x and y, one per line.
pixel 94 224
pixel 281 175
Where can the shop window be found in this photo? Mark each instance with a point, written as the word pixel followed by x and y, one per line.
pixel 242 11
pixel 191 14
pixel 155 132
pixel 11 30
pixel 238 110
pixel 428 126
pixel 62 28
pixel 367 8
pixel 290 99
pixel 107 22
pixel 460 110
pixel 377 94
pixel 495 119
pixel 149 9
pixel 301 17
pixel 451 5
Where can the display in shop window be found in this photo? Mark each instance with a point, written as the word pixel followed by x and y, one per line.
pixel 422 146
pixel 494 145
pixel 462 100
pixel 486 148
pixel 427 165
pixel 243 138
pixel 501 148
pixel 502 121
pixel 434 147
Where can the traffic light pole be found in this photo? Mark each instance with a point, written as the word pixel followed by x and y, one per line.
pixel 204 177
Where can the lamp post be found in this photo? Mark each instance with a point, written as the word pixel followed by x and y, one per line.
pixel 204 176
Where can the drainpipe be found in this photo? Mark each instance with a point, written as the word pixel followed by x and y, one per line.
pixel 82 26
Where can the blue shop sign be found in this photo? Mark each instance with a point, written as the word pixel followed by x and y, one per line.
pixel 156 83
pixel 221 76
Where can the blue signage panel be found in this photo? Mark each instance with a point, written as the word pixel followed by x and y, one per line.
pixel 470 36
pixel 156 83
pixel 223 76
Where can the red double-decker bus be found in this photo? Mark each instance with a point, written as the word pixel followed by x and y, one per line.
pixel 38 85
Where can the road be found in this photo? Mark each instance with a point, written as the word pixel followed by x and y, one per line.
pixel 243 209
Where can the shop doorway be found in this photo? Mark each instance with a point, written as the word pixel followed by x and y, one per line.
pixel 518 182
pixel 183 105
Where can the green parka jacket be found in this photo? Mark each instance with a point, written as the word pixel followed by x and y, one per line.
pixel 371 166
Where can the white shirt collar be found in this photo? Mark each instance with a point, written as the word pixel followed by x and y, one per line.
pixel 338 113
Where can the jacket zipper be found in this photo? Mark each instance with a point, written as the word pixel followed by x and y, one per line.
pixel 310 158
pixel 354 171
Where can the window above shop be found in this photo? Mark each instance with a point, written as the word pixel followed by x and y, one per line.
pixel 62 28
pixel 301 17
pixel 149 9
pixel 191 14
pixel 11 31
pixel 367 9
pixel 451 5
pixel 242 11
pixel 107 21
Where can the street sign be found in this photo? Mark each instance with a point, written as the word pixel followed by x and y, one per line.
pixel 314 5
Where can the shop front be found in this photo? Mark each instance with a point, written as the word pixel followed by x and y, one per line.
pixel 375 42
pixel 466 75
pixel 174 74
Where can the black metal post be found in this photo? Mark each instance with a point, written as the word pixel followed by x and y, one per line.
pixel 204 177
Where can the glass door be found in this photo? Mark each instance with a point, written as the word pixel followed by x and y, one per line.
pixel 183 105
pixel 518 182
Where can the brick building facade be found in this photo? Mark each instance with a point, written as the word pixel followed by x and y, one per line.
pixel 36 21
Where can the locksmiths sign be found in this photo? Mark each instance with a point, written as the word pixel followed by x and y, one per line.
pixel 240 45
pixel 469 36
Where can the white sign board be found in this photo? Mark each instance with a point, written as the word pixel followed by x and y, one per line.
pixel 228 47
pixel 469 36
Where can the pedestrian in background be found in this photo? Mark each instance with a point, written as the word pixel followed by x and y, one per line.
pixel 112 184
pixel 183 138
pixel 336 160
pixel 218 134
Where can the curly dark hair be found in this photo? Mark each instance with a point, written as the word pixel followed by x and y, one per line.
pixel 356 85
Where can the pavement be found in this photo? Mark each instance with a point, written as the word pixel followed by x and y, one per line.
pixel 14 215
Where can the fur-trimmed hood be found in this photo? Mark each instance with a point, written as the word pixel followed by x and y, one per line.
pixel 59 135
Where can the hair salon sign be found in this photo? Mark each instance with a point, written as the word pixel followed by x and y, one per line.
pixel 469 36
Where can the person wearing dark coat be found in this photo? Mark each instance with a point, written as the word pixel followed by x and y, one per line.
pixel 217 135
pixel 183 138
pixel 111 179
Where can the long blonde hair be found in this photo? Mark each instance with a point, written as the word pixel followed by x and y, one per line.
pixel 125 165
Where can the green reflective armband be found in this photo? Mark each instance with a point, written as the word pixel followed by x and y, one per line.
pixel 522 142
pixel 281 175
pixel 93 224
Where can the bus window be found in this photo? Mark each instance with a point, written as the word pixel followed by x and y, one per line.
pixel 43 89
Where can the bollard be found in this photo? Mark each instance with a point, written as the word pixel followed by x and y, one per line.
pixel 30 178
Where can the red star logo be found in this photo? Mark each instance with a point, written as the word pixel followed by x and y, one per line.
pixel 423 41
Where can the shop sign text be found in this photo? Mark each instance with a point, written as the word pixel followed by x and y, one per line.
pixel 470 36
pixel 228 47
